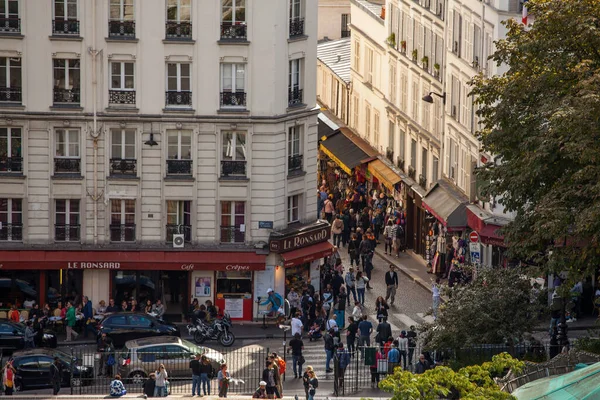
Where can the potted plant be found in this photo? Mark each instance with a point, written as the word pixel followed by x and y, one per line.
pixel 391 40
pixel 425 62
pixel 403 46
pixel 415 54
pixel 436 69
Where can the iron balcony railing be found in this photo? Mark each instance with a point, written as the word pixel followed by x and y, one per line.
pixel 11 232
pixel 11 164
pixel 121 96
pixel 65 27
pixel 422 181
pixel 10 25
pixel 179 30
pixel 411 172
pixel 296 26
pixel 67 96
pixel 185 230
pixel 66 233
pixel 295 96
pixel 121 29
pixel 237 99
pixel 345 33
pixel 295 163
pixel 231 167
pixel 230 31
pixel 179 167
pixel 67 165
pixel 232 234
pixel 174 98
pixel 122 232
pixel 123 166
pixel 11 94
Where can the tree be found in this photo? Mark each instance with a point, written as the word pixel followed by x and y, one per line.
pixel 495 308
pixel 473 382
pixel 541 121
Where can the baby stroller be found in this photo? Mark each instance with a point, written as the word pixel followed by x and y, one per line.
pixel 314 332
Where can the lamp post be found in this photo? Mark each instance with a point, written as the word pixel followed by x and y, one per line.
pixel 284 328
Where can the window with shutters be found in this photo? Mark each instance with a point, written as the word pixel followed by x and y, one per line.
pixel 452 159
pixel 470 114
pixel 376 122
pixel 403 91
pixel 424 161
pixel 426 113
pixel 391 133
pixel 355 111
pixel 356 65
pixel 468 38
pixel 367 121
pixel 413 154
pixel 464 119
pixel 369 65
pixel 415 101
pixel 392 78
pixel 456 33
pixel 402 141
pixel 477 48
pixel 435 165
pixel 463 172
pixel 455 98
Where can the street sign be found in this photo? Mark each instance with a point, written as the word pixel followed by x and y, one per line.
pixel 474 237
pixel 265 224
pixel 475 250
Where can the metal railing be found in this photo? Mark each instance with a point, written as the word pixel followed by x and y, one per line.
pixel 236 99
pixel 123 166
pixel 345 33
pixel 389 154
pixel 66 233
pixel 232 234
pixel 230 31
pixel 422 181
pixel 71 96
pixel 11 232
pixel 122 233
pixel 295 163
pixel 121 96
pixel 179 167
pixel 296 26
pixel 231 167
pixel 121 29
pixel 11 164
pixel 400 164
pixel 10 25
pixel 65 27
pixel 295 96
pixel 178 30
pixel 185 230
pixel 174 98
pixel 12 94
pixel 67 165
pixel 411 172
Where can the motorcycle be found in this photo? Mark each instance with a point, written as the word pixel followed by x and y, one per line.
pixel 219 330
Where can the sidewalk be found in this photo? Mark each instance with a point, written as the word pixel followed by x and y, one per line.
pixel 359 395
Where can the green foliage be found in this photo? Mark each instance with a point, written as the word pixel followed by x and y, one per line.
pixel 392 39
pixel 589 344
pixel 473 382
pixel 540 118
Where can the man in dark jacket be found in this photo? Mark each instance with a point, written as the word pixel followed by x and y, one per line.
pixel 329 348
pixel 422 365
pixel 391 283
pixel 384 331
pixel 55 376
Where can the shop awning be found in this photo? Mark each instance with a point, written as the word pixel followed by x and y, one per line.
pixel 583 383
pixel 343 151
pixel 307 254
pixel 326 126
pixel 480 221
pixel 447 205
pixel 383 173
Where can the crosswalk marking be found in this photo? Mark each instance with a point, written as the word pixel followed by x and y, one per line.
pixel 427 318
pixel 406 320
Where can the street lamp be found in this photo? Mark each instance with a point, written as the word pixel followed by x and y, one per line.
pixel 429 99
pixel 284 328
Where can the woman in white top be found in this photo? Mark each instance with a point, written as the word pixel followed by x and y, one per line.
pixel 160 390
pixel 361 283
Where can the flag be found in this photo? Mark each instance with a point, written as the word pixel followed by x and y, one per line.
pixel 524 17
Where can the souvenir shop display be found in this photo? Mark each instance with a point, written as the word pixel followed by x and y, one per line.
pixel 296 277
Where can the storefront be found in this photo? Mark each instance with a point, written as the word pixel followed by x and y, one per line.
pixel 491 241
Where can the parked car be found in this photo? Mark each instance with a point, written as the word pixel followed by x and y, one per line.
pixel 33 369
pixel 12 337
pixel 121 327
pixel 141 357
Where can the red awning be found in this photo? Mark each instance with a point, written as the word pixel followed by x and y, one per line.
pixel 133 260
pixel 487 232
pixel 307 254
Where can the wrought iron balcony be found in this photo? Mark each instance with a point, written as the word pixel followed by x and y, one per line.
pixel 296 26
pixel 422 181
pixel 389 154
pixel 411 172
pixel 232 234
pixel 230 167
pixel 67 165
pixel 122 233
pixel 237 99
pixel 66 233
pixel 295 96
pixel 11 164
pixel 11 232
pixel 11 94
pixel 65 27
pixel 10 25
pixel 173 98
pixel 345 33
pixel 123 166
pixel 231 31
pixel 185 230
pixel 295 163
pixel 400 163
pixel 67 96
pixel 121 29
pixel 179 30
pixel 179 167
pixel 121 97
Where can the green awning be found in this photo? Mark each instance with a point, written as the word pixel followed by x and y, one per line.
pixel 581 384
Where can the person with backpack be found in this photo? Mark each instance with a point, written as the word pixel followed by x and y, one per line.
pixel 361 284
pixel 351 282
pixel 329 348
pixel 353 250
pixel 399 239
pixel 343 360
pixel 365 250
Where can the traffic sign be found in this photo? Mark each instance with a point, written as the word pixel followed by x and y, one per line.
pixel 474 237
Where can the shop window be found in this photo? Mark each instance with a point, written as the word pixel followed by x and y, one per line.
pixel 234 282
pixel 296 277
pixel 17 287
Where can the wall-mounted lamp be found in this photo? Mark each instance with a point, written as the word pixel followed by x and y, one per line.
pixel 429 99
pixel 151 142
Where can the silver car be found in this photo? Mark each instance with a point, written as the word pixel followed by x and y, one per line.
pixel 141 357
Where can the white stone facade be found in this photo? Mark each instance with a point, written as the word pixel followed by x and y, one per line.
pixel 334 18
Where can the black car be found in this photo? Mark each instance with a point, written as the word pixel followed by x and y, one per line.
pixel 33 369
pixel 121 327
pixel 12 337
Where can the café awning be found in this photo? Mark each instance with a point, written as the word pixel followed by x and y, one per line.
pixel 447 205
pixel 307 254
pixel 343 151
pixel 383 173
pixel 482 222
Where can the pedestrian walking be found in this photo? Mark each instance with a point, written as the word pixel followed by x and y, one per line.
pixel 296 347
pixel 411 335
pixel 206 374
pixel 388 236
pixel 391 282
pixel 422 366
pixel 336 228
pixel 351 334
pixel 403 348
pixel 117 389
pixel 342 360
pixel 329 348
pixel 294 299
pixel 329 208
pixel 29 336
pixel 435 290
pixel 351 283
pixel 305 379
pixel 88 318
pixel 393 357
pixel 271 377
pixel 361 284
pixel 223 378
pixel 374 371
pixel 161 382
pixel 55 376
pixel 365 329
pixel 384 331
pixel 381 308
pixel 195 367
pixel 107 360
pixel 71 318
pixel 313 384
pixel 340 308
pixel 353 250
pixel 8 378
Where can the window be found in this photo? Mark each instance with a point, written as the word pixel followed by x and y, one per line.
pixel 11 143
pixel 367 121
pixel 369 65
pixel 426 114
pixel 295 158
pixel 477 48
pixel 393 83
pixel 233 85
pixel 435 165
pixel 65 17
pixel 122 83
pixel 10 79
pixel 121 19
pixel 122 220
pixel 345 25
pixel 9 16
pixel 179 219
pixel 453 160
pixel 123 160
pixel 178 85
pixel 456 33
pixel 356 65
pixel 234 155
pixel 455 99
pixel 179 19
pixel 391 144
pixel 402 140
pixel 424 160
pixel 233 216
pixel 355 111
pixel 415 100
pixel 233 19
pixel 11 219
pixel 403 91
pixel 66 81
pixel 179 152
pixel 296 19
pixel 66 227
pixel 376 128
pixel 293 209
pixel 67 158
pixel 295 82
pixel 413 154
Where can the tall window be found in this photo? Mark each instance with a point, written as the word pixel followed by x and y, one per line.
pixel 294 152
pixel 367 121
pixel 179 152
pixel 121 20
pixel 67 154
pixel 122 220
pixel 179 219
pixel 369 64
pixel 393 83
pixel 296 18
pixel 294 82
pixel 233 85
pixel 65 17
pixel 67 226
pixel 435 165
pixel 376 128
pixel 10 79
pixel 424 160
pixel 66 81
pixel 233 221
pixel 402 141
pixel 122 159
pixel 178 84
pixel 179 19
pixel 455 99
pixel 345 25
pixel 9 16
pixel 391 133
pixel 233 157
pixel 122 83
pixel 355 111
pixel 233 19
pixel 293 209
pixel 356 65
pixel 11 219
pixel 413 154
pixel 11 143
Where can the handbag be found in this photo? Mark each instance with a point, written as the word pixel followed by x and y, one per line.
pixel 301 360
pixel 110 361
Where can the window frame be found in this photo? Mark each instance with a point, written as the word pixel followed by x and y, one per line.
pixel 9 139
pixel 234 146
pixel 8 67
pixel 123 212
pixel 121 4
pixel 123 145
pixel 67 72
pixel 10 215
pixel 179 77
pixel 180 134
pixel 233 215
pixel 234 7
pixel 293 5
pixel 181 214
pixel 413 153
pixel 65 16
pixel 234 80
pixel 295 71
pixel 68 216
pixel 179 7
pixel 67 143
pixel 293 206
pixel 7 14
pixel 294 139
pixel 122 76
